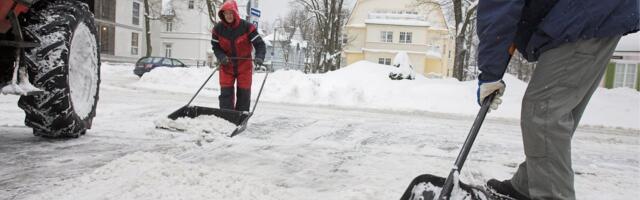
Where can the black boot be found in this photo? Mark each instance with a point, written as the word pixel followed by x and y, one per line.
pixel 226 98
pixel 503 189
pixel 244 99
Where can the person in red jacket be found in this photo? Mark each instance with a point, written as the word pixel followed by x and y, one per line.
pixel 233 40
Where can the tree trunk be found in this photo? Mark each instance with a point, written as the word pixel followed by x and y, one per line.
pixel 458 60
pixel 211 9
pixel 147 27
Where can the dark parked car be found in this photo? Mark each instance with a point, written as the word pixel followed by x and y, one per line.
pixel 146 64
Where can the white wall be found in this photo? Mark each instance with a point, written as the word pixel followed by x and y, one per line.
pixel 191 35
pixel 124 28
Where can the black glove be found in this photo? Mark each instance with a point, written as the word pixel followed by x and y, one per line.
pixel 258 61
pixel 224 61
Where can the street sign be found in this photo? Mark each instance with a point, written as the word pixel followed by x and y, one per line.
pixel 255 16
pixel 255 12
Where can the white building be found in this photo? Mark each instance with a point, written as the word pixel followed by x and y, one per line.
pixel 377 31
pixel 623 70
pixel 185 31
pixel 285 53
pixel 184 35
pixel 120 28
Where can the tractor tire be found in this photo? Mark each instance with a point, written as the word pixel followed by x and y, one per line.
pixel 66 66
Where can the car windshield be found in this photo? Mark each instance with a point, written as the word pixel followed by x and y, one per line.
pixel 177 63
pixel 167 62
pixel 149 60
pixel 156 60
pixel 145 60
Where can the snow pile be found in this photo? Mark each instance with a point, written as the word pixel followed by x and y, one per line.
pixel 177 79
pixel 211 125
pixel 367 85
pixel 156 176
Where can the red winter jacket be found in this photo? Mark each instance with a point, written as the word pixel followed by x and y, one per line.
pixel 235 40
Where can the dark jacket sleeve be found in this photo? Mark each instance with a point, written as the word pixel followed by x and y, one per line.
pixel 258 44
pixel 217 50
pixel 497 26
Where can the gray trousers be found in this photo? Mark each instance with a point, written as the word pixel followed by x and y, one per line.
pixel 559 91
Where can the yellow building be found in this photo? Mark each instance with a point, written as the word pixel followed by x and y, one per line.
pixel 378 29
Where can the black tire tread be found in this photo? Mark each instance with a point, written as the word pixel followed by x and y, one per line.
pixel 51 114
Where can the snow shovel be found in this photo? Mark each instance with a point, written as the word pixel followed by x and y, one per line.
pixel 239 118
pixel 190 111
pixel 448 183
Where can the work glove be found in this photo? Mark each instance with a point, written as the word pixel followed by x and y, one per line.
pixel 258 61
pixel 486 88
pixel 224 61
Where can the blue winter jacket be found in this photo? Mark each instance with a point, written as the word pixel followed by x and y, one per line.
pixel 535 26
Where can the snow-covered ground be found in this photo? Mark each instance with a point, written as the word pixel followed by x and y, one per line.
pixel 366 85
pixel 350 134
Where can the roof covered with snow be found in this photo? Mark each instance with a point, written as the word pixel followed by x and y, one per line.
pixel 167 7
pixel 281 36
pixel 629 42
pixel 400 12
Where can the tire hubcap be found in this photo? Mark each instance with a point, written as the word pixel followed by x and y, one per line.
pixel 83 71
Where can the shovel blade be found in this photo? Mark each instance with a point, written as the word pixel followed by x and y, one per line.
pixel 415 192
pixel 410 194
pixel 233 116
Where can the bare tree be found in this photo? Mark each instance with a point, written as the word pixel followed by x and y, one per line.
pixel 154 11
pixel 520 67
pixel 329 18
pixel 212 7
pixel 296 20
pixel 147 25
pixel 463 13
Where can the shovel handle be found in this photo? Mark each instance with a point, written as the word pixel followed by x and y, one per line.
pixel 466 148
pixel 203 84
pixel 260 92
pixel 239 58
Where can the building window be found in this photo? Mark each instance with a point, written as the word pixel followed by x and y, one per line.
pixel 105 10
pixel 384 61
pixel 169 26
pixel 167 50
pixel 345 39
pixel 134 43
pixel 386 36
pixel 626 75
pixel 107 39
pixel 406 37
pixel 136 13
pixel 191 4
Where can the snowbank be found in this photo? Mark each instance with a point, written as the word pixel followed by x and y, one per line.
pixel 156 176
pixel 366 85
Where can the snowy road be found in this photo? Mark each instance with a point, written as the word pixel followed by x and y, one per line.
pixel 287 152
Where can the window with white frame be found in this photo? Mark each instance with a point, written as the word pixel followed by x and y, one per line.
pixel 626 75
pixel 386 36
pixel 134 43
pixel 136 13
pixel 167 50
pixel 406 37
pixel 384 61
pixel 169 26
pixel 191 4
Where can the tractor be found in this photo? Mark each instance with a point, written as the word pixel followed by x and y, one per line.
pixel 49 56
